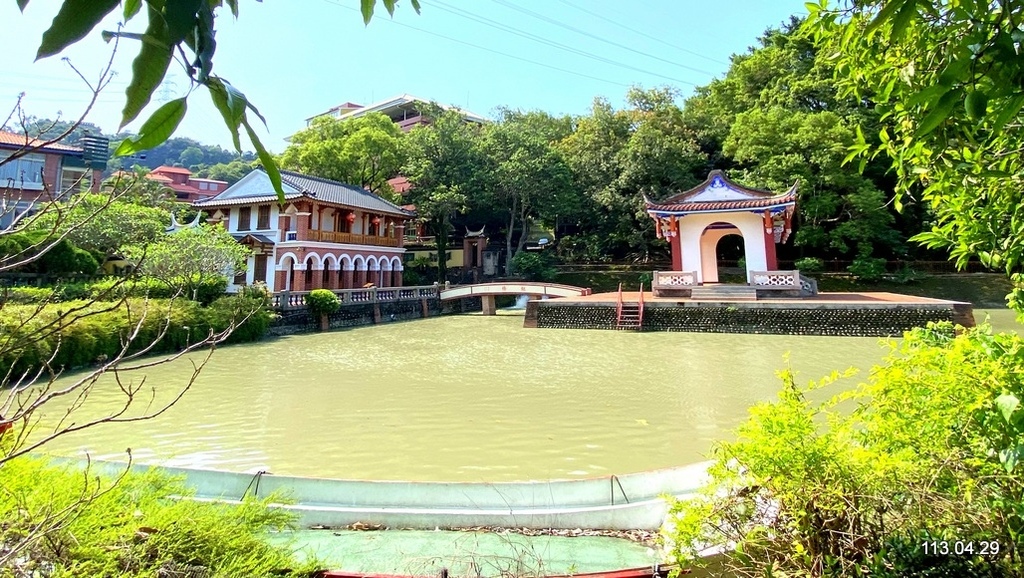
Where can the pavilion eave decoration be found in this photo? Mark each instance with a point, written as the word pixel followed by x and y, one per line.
pixel 717 194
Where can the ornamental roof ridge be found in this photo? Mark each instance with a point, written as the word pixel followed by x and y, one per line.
pixel 718 192
pixel 717 181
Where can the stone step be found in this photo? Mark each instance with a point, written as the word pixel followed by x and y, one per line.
pixel 729 292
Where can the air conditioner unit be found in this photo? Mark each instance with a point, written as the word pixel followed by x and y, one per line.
pixel 291 236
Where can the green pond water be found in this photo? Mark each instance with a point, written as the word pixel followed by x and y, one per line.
pixel 466 398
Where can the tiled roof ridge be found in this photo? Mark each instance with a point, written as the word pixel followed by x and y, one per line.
pixel 325 181
pixel 13 138
pixel 718 173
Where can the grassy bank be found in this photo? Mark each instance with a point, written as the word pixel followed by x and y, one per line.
pixel 59 523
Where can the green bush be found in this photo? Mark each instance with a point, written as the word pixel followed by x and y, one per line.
pixel 931 445
pixel 322 302
pixel 869 269
pixel 79 333
pixel 136 527
pixel 27 295
pixel 533 266
pixel 809 265
pixel 113 288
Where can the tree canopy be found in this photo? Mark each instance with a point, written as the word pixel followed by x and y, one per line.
pixel 365 151
pixel 946 77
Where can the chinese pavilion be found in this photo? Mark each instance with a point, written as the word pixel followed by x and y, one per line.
pixel 695 220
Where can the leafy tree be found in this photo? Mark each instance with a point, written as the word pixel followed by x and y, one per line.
pixel 191 156
pixel 839 210
pixel 230 172
pixel 776 118
pixel 946 76
pixel 530 179
pixel 188 258
pixel 445 165
pixel 364 151
pixel 617 157
pixel 104 224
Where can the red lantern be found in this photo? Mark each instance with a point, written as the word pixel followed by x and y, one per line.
pixel 376 221
pixel 351 218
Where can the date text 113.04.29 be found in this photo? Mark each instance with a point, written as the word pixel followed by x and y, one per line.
pixel 961 547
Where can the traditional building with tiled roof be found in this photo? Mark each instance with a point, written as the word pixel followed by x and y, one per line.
pixel 44 172
pixel 694 221
pixel 187 189
pixel 326 234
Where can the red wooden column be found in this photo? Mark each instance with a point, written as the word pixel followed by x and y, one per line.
pixel 385 278
pixel 769 242
pixel 397 280
pixel 675 244
pixel 360 278
pixel 346 278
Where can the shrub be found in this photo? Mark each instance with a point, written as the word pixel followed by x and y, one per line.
pixel 27 295
pixel 533 266
pixel 809 265
pixel 322 302
pixel 933 449
pixel 94 331
pixel 113 288
pixel 868 269
pixel 138 527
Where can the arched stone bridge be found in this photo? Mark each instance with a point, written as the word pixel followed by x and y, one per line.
pixel 487 291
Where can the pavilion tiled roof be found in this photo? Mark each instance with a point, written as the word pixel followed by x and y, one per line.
pixel 717 194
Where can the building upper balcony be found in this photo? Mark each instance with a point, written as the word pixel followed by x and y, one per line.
pixel 349 238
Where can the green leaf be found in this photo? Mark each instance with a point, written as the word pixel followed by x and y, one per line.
pixel 231 105
pixel 976 104
pixel 927 95
pixel 22 4
pixel 181 18
pixel 902 19
pixel 131 8
pixel 1007 112
pixel 939 113
pixel 73 21
pixel 267 159
pixel 148 68
pixel 1007 404
pixel 157 129
pixel 886 13
pixel 367 9
pixel 1009 457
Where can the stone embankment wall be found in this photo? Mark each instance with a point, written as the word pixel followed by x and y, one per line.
pixel 862 322
pixel 299 320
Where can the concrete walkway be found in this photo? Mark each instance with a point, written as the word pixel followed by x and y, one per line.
pixel 425 553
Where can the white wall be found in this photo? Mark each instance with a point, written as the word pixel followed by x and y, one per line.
pixel 691 229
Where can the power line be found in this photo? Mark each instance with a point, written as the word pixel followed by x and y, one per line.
pixel 550 20
pixel 491 50
pixel 642 33
pixel 530 36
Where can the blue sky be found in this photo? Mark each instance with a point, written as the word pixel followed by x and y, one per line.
pixel 296 58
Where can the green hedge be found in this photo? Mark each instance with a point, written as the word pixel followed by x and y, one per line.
pixel 94 331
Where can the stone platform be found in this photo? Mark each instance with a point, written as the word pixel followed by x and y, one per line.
pixel 852 314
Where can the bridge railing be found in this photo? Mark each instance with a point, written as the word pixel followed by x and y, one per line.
pixel 297 299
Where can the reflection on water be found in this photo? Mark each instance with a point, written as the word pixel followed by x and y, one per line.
pixel 468 398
